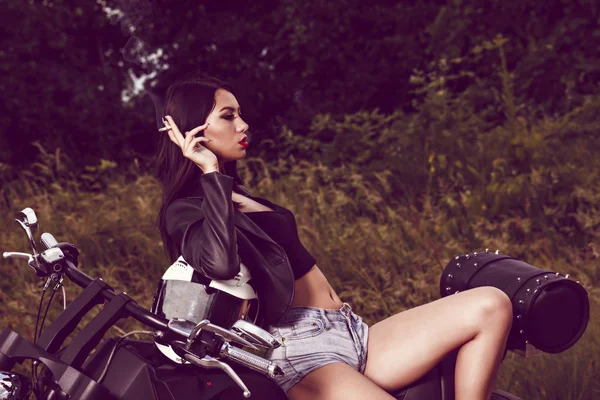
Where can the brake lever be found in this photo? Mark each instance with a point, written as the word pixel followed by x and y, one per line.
pixel 226 334
pixel 17 254
pixel 31 260
pixel 191 331
pixel 257 334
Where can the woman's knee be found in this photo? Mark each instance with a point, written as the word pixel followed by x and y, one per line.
pixel 494 308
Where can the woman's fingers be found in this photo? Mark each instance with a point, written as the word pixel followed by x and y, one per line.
pixel 187 139
pixel 176 136
pixel 199 128
pixel 202 156
pixel 188 142
pixel 197 140
pixel 172 136
pixel 190 135
pixel 175 130
pixel 170 132
pixel 193 146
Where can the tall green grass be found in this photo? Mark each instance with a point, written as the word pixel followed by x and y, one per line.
pixel 380 255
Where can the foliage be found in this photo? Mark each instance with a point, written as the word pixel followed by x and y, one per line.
pixel 549 48
pixel 68 71
pixel 454 155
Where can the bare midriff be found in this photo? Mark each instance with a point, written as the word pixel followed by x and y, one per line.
pixel 312 289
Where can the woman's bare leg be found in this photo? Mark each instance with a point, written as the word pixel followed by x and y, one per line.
pixel 337 381
pixel 478 361
pixel 404 347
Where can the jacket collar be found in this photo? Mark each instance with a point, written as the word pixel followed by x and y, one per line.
pixel 241 220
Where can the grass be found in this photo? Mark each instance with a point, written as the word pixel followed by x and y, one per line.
pixel 380 255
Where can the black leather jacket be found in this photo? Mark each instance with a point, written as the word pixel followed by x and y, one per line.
pixel 213 235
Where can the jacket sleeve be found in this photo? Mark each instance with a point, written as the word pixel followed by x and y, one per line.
pixel 204 228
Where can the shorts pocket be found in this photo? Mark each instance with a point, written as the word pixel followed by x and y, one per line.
pixel 302 329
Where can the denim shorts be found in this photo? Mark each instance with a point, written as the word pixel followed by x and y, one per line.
pixel 313 337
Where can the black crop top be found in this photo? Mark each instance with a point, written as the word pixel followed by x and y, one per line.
pixel 281 227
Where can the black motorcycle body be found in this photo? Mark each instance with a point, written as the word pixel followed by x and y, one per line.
pixel 140 371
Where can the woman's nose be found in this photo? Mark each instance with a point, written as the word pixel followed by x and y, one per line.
pixel 242 127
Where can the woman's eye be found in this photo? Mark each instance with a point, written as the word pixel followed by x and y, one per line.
pixel 229 117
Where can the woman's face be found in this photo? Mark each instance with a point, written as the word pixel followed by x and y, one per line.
pixel 227 128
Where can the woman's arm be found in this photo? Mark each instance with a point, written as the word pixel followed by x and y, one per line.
pixel 203 229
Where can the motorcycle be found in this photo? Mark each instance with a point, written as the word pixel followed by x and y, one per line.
pixel 123 368
pixel 191 357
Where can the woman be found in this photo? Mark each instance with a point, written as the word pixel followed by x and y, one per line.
pixel 327 351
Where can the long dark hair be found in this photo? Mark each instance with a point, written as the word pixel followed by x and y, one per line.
pixel 189 101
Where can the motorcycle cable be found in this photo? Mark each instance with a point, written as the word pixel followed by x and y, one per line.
pixel 45 314
pixel 117 345
pixel 35 333
pixel 64 296
pixel 38 390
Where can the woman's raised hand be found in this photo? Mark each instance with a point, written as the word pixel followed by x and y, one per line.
pixel 193 148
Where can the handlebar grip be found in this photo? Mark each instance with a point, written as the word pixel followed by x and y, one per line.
pixel 251 361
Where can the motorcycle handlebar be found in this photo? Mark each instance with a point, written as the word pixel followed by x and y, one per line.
pixel 135 310
pixel 235 354
pixel 251 361
pixel 55 262
pixel 148 318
